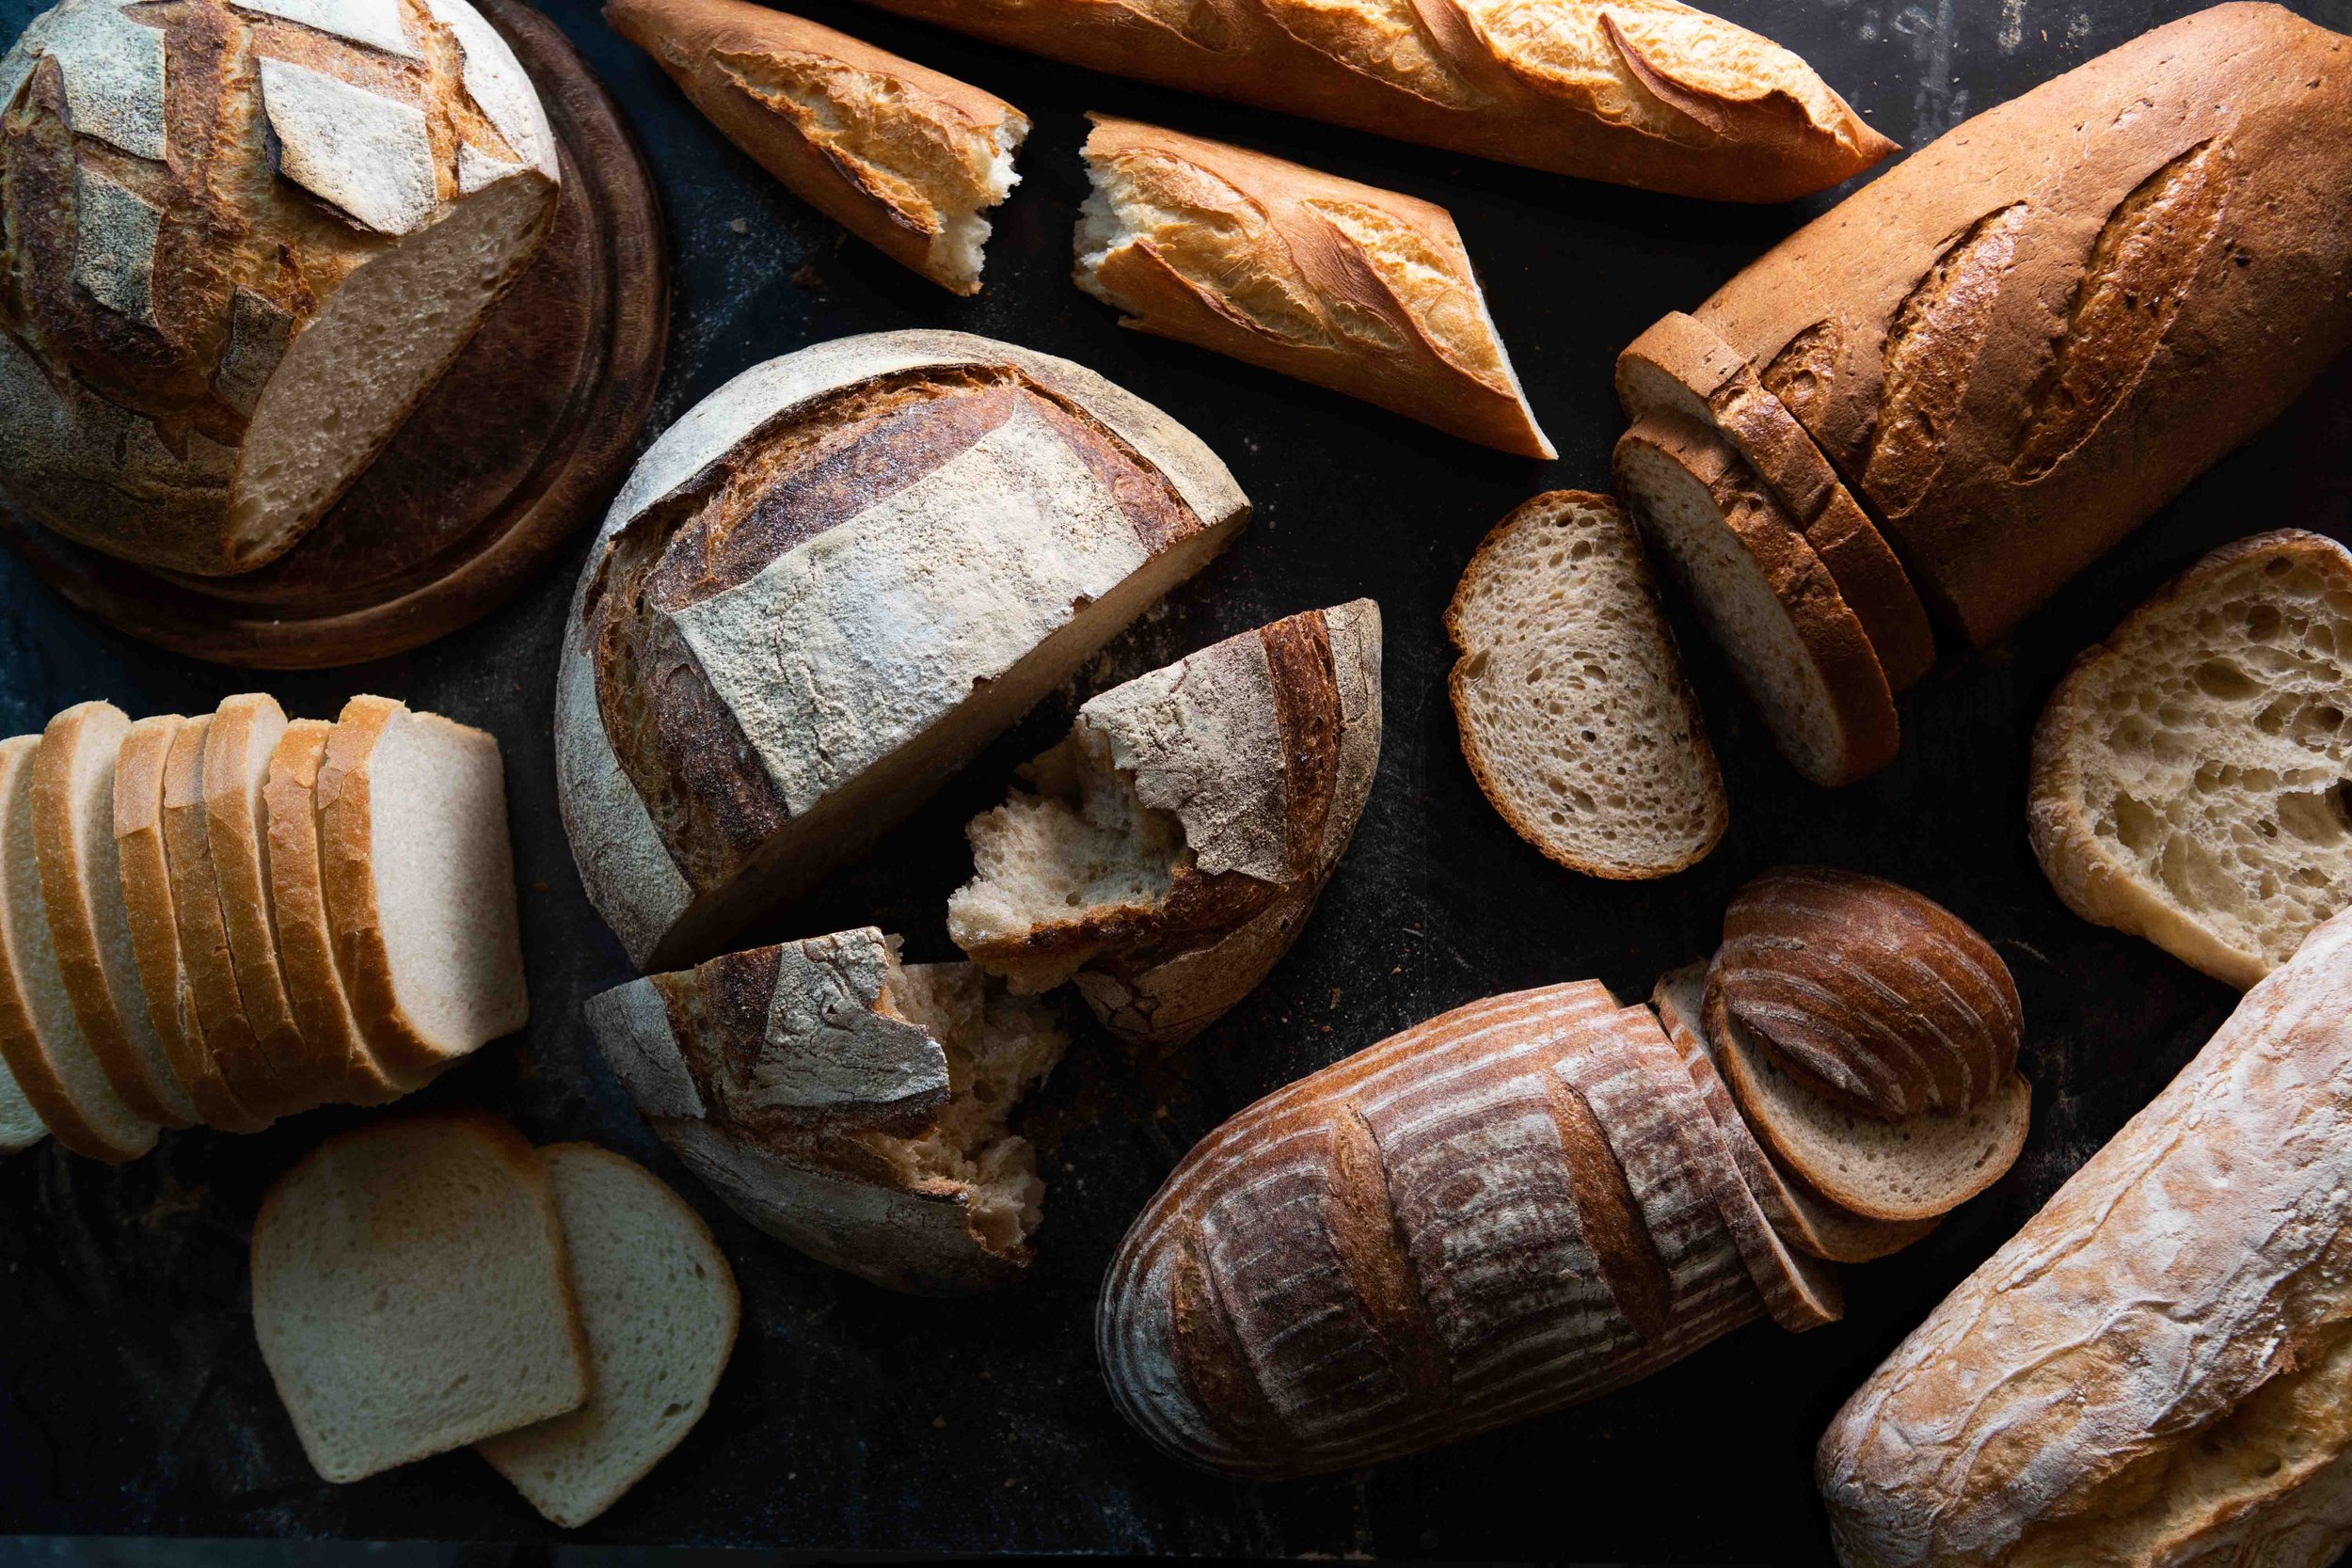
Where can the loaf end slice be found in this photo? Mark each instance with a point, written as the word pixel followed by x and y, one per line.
pixel 1574 714
pixel 2192 775
pixel 657 1304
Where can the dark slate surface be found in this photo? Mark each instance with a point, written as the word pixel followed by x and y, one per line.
pixel 853 1419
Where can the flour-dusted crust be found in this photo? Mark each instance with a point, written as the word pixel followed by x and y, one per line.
pixel 2154 1368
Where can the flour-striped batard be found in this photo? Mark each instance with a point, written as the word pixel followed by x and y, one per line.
pixel 223 221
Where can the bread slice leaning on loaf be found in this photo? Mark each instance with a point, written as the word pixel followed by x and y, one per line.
pixel 1366 292
pixel 1574 714
pixel 901 156
pixel 2192 775
pixel 826 587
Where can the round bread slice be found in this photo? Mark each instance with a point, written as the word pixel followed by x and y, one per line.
pixel 1764 595
pixel 659 1306
pixel 40 1039
pixel 1916 1169
pixel 1574 714
pixel 145 865
pixel 412 1292
pixel 81 886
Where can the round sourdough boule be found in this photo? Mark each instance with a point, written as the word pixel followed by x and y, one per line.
pixel 830 583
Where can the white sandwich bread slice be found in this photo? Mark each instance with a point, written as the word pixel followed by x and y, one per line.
pixel 419 883
pixel 81 887
pixel 659 1307
pixel 40 1039
pixel 1574 713
pixel 412 1292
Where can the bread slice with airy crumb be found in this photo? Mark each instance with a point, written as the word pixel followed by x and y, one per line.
pixel 2192 775
pixel 1574 714
pixel 412 1292
pixel 659 1306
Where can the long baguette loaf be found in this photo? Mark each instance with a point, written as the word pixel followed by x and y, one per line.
pixel 2154 1371
pixel 1641 92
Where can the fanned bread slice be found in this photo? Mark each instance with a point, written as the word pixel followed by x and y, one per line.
pixel 1913 1169
pixel 659 1306
pixel 1574 713
pixel 305 941
pixel 1764 595
pixel 2192 776
pixel 81 886
pixel 419 883
pixel 144 862
pixel 39 1037
pixel 412 1292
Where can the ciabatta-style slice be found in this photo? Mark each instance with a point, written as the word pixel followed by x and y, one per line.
pixel 412 1293
pixel 40 1039
pixel 1574 713
pixel 419 883
pixel 659 1306
pixel 2192 775
pixel 81 887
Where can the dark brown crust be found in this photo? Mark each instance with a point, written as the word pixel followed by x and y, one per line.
pixel 1612 1223
pixel 1369 1241
pixel 1209 1354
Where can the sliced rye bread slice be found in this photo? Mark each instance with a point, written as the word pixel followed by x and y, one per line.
pixel 1682 366
pixel 40 1039
pixel 419 883
pixel 1802 1217
pixel 1918 1168
pixel 411 1291
pixel 81 887
pixel 144 862
pixel 1763 596
pixel 659 1306
pixel 1569 695
pixel 305 939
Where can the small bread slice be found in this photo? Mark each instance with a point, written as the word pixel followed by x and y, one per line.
pixel 412 1292
pixel 2192 775
pixel 40 1039
pixel 1681 365
pixel 419 883
pixel 306 942
pixel 1916 1169
pixel 81 886
pixel 659 1306
pixel 144 862
pixel 1764 595
pixel 1574 713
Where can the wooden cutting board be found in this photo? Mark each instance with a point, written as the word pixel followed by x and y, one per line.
pixel 525 437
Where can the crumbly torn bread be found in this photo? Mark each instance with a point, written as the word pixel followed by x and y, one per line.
pixel 1363 291
pixel 1575 716
pixel 903 157
pixel 2192 775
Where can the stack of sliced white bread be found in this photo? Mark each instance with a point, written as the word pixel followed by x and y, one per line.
pixel 432 1281
pixel 235 917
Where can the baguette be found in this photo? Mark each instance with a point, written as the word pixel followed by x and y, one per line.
pixel 1641 92
pixel 1359 289
pixel 904 158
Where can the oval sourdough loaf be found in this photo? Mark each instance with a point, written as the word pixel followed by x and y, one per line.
pixel 1176 842
pixel 826 587
pixel 1492 1214
pixel 846 1105
pixel 2154 1371
pixel 243 240
pixel 2034 332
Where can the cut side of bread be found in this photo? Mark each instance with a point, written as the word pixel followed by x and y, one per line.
pixel 1913 1169
pixel 237 749
pixel 412 1294
pixel 1574 714
pixel 419 883
pixel 659 1307
pixel 2192 776
pixel 81 887
pixel 1764 595
pixel 40 1037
